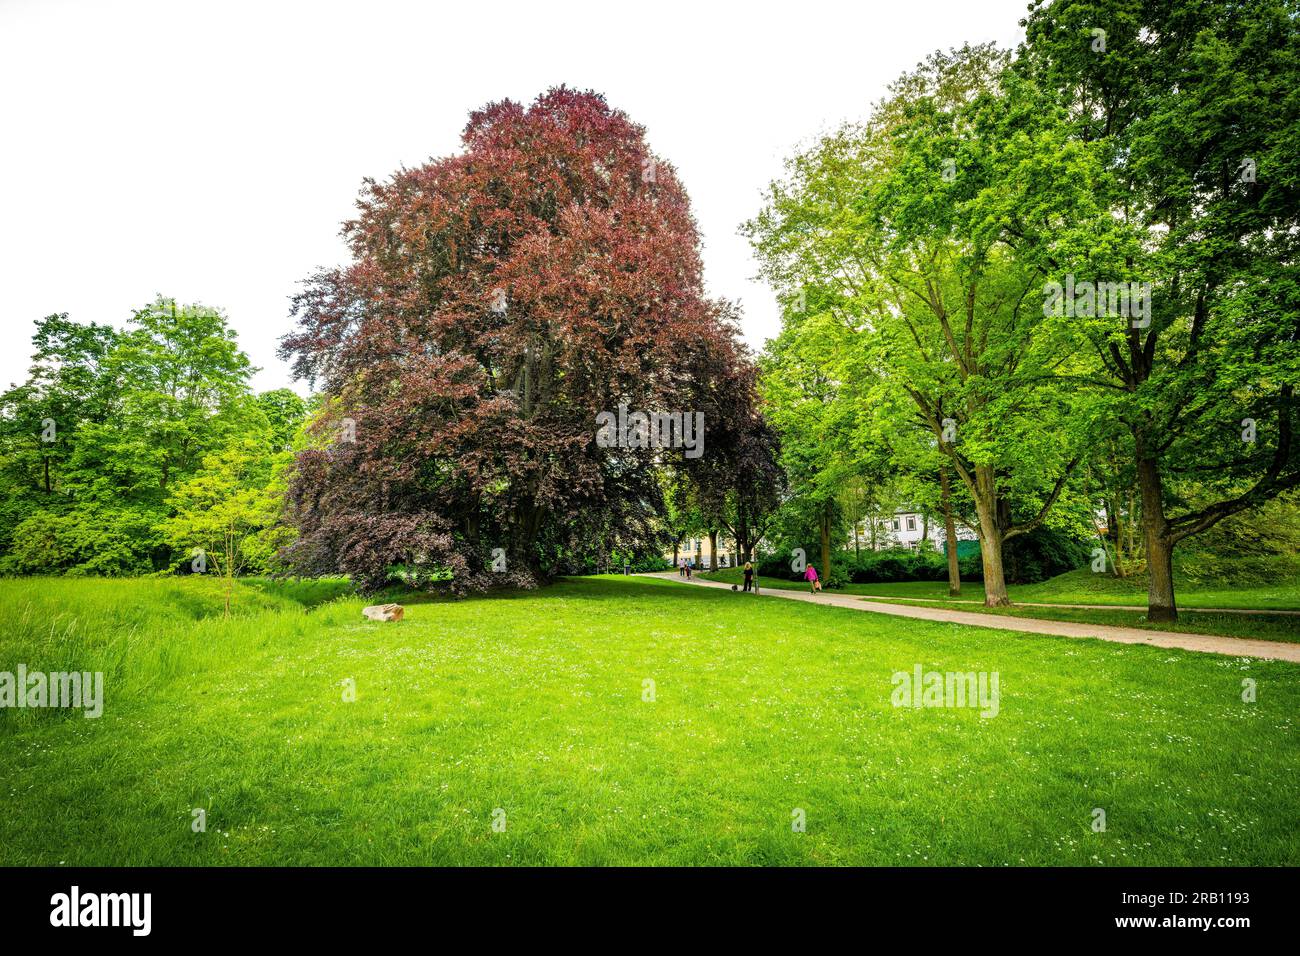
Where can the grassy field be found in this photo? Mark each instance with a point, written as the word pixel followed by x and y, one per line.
pixel 532 704
pixel 1127 597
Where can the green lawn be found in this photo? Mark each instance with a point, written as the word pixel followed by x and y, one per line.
pixel 533 703
pixel 1264 627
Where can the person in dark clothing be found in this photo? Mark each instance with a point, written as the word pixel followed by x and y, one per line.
pixel 749 576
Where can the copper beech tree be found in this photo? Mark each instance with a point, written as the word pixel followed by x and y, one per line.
pixel 497 301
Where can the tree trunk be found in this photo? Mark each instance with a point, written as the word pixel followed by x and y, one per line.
pixel 1160 549
pixel 950 530
pixel 826 543
pixel 1113 521
pixel 230 568
pixel 526 522
pixel 713 550
pixel 986 506
pixel 741 533
pixel 1132 542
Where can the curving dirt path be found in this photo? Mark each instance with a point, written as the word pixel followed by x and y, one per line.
pixel 1207 643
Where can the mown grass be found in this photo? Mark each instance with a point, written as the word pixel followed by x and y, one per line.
pixel 1241 583
pixel 533 703
pixel 1264 627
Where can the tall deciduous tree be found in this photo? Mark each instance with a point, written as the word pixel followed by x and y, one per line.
pixel 498 300
pixel 1194 105
pixel 814 411
pixel 179 376
pixel 898 235
pixel 41 419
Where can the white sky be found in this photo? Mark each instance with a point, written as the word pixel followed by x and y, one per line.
pixel 210 151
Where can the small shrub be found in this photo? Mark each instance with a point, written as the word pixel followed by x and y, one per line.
pixel 613 564
pixel 971 567
pixel 777 564
pixel 839 577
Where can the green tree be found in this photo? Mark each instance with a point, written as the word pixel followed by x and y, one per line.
pixel 179 371
pixel 1195 109
pixel 902 235
pixel 41 420
pixel 108 422
pixel 682 517
pixel 285 413
pixel 227 516
pixel 814 411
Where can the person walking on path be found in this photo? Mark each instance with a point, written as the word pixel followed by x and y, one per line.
pixel 749 576
pixel 811 577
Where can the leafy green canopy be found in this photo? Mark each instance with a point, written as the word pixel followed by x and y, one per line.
pixel 913 288
pixel 107 449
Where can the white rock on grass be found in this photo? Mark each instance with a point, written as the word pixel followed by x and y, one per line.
pixel 383 612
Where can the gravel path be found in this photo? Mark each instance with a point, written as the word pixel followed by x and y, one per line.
pixel 1095 607
pixel 1207 643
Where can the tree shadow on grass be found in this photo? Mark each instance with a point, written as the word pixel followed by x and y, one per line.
pixel 308 592
pixel 585 588
pixel 620 587
pixel 311 593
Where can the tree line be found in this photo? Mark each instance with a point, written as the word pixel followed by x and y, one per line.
pixel 1044 290
pixel 144 450
pixel 499 304
pixel 924 256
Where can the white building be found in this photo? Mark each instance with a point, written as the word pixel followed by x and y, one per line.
pixel 906 529
pixel 697 549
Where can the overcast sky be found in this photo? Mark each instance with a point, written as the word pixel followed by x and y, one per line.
pixel 210 151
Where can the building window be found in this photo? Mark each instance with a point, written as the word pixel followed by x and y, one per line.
pixel 894 524
pixel 911 523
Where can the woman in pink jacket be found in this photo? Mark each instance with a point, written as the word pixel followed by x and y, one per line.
pixel 811 577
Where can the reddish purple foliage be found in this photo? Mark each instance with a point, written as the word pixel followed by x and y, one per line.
pixel 497 301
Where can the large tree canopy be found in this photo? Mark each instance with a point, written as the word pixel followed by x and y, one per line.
pixel 898 241
pixel 498 300
pixel 1195 106
pixel 1076 265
